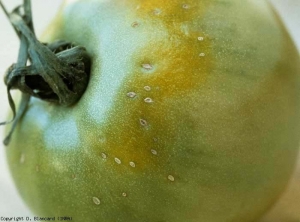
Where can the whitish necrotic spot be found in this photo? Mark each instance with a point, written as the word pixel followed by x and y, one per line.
pixel 185 6
pixel 143 122
pixel 132 164
pixel 154 152
pixel 148 100
pixel 147 66
pixel 135 24
pixel 117 160
pixel 96 201
pixel 200 38
pixel 202 54
pixel 103 155
pixel 131 94
pixel 171 178
pixel 147 88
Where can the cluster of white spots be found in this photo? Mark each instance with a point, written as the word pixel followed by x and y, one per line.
pixel 148 100
pixel 124 194
pixel 131 94
pixel 117 160
pixel 202 54
pixel 22 158
pixel 171 178
pixel 147 66
pixel 185 6
pixel 143 122
pixel 103 155
pixel 96 201
pixel 153 151
pixel 134 24
pixel 147 88
pixel 132 164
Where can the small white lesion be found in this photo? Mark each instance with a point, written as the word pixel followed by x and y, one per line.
pixel 200 38
pixel 171 178
pixel 148 100
pixel 117 160
pixel 202 54
pixel 147 88
pixel 143 122
pixel 147 66
pixel 132 164
pixel 185 6
pixel 153 151
pixel 96 200
pixel 124 194
pixel 134 24
pixel 104 155
pixel 131 94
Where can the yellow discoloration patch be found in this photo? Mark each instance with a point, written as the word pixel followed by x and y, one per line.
pixel 172 67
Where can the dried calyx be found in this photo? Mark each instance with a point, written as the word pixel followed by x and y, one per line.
pixel 58 72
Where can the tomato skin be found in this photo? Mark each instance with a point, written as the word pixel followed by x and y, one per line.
pixel 191 114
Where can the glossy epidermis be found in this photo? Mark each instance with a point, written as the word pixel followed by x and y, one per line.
pixel 200 121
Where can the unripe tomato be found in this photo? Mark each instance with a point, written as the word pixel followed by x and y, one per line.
pixel 191 114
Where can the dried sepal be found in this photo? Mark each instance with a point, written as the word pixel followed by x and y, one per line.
pixel 58 72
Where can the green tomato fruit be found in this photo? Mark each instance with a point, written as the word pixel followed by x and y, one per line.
pixel 191 114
